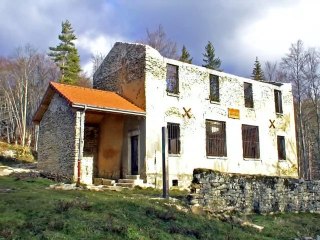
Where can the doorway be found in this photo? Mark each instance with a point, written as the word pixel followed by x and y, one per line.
pixel 134 155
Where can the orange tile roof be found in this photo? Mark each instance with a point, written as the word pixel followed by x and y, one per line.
pixel 96 100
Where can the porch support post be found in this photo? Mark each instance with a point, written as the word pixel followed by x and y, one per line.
pixel 165 174
pixel 81 140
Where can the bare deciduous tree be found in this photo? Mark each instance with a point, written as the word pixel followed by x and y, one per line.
pixel 24 80
pixel 158 40
pixel 293 64
pixel 270 70
pixel 96 60
pixel 311 106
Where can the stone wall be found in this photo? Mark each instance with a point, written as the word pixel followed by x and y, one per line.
pixel 123 71
pixel 57 145
pixel 315 167
pixel 253 193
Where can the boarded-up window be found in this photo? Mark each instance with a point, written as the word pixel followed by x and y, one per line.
pixel 250 141
pixel 214 88
pixel 248 95
pixel 173 138
pixel 172 79
pixel 278 101
pixel 216 138
pixel 281 148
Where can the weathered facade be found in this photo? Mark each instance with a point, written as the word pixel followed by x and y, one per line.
pixel 192 101
pixel 214 120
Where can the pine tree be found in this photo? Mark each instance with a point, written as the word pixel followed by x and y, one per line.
pixel 65 55
pixel 257 73
pixel 185 56
pixel 209 58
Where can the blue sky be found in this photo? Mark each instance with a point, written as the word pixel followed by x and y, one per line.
pixel 239 29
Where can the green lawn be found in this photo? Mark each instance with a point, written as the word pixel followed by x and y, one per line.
pixel 30 211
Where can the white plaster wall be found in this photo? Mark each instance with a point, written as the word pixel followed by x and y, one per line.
pixel 194 93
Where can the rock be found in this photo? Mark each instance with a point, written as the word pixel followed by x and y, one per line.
pixel 6 190
pixel 9 153
pixel 196 209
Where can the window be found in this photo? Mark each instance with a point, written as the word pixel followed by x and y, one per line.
pixel 173 138
pixel 281 148
pixel 216 138
pixel 175 182
pixel 248 96
pixel 214 88
pixel 250 141
pixel 172 79
pixel 278 101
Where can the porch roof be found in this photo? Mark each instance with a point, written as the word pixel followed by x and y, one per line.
pixel 87 98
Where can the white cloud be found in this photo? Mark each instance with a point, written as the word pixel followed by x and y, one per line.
pixel 239 30
pixel 100 44
pixel 272 35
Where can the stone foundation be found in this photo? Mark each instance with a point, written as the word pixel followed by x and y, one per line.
pixel 216 191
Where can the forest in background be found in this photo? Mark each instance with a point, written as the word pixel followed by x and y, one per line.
pixel 24 78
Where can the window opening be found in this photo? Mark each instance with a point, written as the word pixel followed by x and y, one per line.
pixel 278 101
pixel 216 138
pixel 281 147
pixel 248 95
pixel 172 79
pixel 173 138
pixel 250 141
pixel 214 88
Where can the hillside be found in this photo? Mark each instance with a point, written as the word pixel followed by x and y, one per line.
pixel 30 209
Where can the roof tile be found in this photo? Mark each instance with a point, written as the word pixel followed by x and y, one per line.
pixel 94 98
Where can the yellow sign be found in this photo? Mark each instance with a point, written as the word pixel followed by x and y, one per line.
pixel 234 113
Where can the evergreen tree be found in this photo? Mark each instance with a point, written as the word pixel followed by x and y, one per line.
pixel 209 58
pixel 257 73
pixel 65 55
pixel 185 56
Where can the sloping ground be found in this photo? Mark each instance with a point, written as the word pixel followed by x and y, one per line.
pixel 30 210
pixel 15 159
pixel 11 154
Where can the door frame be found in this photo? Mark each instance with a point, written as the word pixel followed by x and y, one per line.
pixel 131 134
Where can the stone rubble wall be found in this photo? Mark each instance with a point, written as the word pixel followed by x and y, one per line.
pixel 57 144
pixel 123 72
pixel 217 191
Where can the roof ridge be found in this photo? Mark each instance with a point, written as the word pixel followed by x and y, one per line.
pixel 59 92
pixel 87 88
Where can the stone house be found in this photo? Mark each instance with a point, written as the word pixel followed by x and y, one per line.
pixel 214 120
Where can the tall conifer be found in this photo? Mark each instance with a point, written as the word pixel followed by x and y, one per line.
pixel 257 73
pixel 185 56
pixel 210 59
pixel 65 55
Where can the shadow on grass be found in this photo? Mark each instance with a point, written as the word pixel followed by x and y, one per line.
pixel 12 162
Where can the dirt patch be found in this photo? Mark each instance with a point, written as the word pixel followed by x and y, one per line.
pixel 18 168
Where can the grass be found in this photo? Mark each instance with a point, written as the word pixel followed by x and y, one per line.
pixel 30 211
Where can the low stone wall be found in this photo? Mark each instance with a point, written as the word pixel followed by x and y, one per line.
pixel 217 191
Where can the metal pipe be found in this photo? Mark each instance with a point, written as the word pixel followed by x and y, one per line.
pixel 165 173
